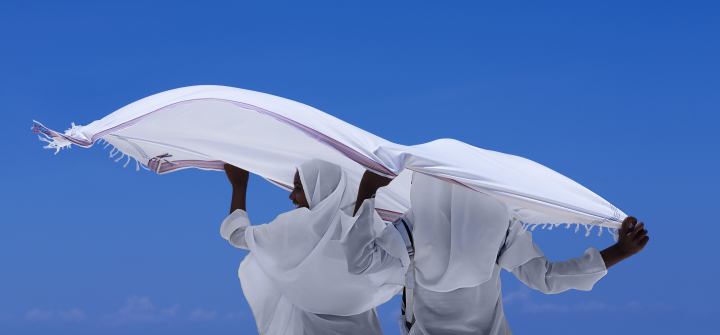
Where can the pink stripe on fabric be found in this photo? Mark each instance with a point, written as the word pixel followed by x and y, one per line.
pixel 387 215
pixel 184 164
pixel 310 132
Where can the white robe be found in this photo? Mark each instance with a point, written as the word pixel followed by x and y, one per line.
pixel 458 256
pixel 280 316
pixel 295 277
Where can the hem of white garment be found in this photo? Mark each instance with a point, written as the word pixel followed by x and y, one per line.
pixel 232 223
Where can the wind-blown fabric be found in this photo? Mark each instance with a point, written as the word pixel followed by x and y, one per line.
pixel 300 253
pixel 206 126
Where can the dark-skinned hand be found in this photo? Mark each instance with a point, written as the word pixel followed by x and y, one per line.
pixel 633 236
pixel 236 175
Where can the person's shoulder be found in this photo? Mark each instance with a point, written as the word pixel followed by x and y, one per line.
pixel 291 215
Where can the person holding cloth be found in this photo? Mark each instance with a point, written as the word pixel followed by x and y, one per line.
pixel 295 277
pixel 457 240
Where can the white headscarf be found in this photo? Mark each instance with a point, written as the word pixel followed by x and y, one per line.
pixel 321 179
pixel 301 254
pixel 457 233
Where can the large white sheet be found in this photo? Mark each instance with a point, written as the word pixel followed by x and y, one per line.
pixel 205 126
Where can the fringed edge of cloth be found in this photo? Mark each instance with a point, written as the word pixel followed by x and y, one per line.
pixel 588 227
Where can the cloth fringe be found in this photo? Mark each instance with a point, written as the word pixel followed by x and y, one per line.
pixel 54 141
pixel 57 142
pixel 588 228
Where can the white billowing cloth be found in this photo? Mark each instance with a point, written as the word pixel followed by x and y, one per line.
pixel 461 241
pixel 296 272
pixel 206 126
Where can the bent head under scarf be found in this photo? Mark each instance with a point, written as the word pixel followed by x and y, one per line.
pixel 300 250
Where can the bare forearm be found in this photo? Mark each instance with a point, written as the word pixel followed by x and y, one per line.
pixel 238 197
pixel 613 255
pixel 239 180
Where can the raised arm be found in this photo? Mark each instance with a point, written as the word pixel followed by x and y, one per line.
pixel 239 180
pixel 633 238
pixel 368 252
pixel 234 226
pixel 369 184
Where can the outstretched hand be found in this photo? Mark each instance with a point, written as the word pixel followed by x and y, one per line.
pixel 633 236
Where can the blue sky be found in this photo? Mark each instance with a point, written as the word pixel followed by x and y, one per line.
pixel 621 97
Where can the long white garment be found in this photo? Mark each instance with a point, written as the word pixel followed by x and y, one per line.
pixel 462 239
pixel 276 315
pixel 295 277
pixel 206 126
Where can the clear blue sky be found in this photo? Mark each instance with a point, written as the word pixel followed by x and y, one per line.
pixel 619 96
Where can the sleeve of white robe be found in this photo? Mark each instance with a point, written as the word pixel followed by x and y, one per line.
pixel 521 256
pixel 366 250
pixel 233 228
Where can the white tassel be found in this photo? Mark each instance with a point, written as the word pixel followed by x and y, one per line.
pixel 524 227
pixel 113 152
pixel 117 160
pixel 128 161
pixel 56 143
pixel 73 129
pixel 588 227
pixel 106 144
pixel 137 165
